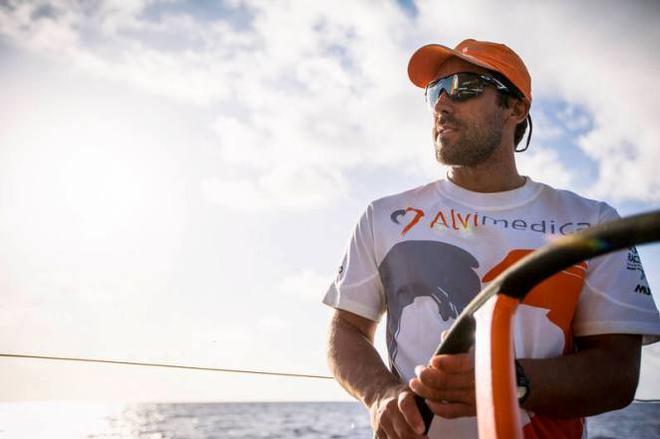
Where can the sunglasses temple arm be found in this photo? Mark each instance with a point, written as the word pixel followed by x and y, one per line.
pixel 529 135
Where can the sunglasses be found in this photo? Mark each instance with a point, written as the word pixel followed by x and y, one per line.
pixel 461 86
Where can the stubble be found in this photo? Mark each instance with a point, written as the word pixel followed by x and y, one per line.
pixel 472 143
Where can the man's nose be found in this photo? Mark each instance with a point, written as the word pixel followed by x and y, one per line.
pixel 444 104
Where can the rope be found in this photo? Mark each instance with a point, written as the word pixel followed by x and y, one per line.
pixel 170 366
pixel 208 369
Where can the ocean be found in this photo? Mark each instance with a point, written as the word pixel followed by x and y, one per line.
pixel 318 420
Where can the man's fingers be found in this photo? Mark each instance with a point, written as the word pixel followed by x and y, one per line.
pixel 385 428
pixel 454 363
pixel 392 418
pixel 465 396
pixel 439 379
pixel 448 383
pixel 403 431
pixel 410 412
pixel 451 410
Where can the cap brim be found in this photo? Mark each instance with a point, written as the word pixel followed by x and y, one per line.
pixel 426 61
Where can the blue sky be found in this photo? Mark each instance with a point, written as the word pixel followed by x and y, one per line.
pixel 178 179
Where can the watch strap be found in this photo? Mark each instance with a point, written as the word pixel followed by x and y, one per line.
pixel 522 384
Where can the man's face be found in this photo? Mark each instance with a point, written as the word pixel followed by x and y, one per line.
pixel 466 133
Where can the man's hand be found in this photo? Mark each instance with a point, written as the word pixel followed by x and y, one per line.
pixel 447 385
pixel 394 415
pixel 357 366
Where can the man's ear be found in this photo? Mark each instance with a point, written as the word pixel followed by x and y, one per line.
pixel 519 109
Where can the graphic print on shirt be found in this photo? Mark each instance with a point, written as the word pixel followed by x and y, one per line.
pixel 427 283
pixel 633 263
pixel 437 276
pixel 462 221
pixel 558 294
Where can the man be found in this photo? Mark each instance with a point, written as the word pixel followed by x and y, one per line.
pixel 421 255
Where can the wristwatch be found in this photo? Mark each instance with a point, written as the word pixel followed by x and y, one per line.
pixel 522 384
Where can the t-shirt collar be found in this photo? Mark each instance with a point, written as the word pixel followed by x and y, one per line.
pixel 490 200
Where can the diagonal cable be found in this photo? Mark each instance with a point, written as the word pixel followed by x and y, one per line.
pixel 169 366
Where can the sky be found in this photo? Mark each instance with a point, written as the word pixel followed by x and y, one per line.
pixel 178 179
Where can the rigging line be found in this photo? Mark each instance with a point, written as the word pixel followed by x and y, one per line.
pixel 170 366
pixel 209 369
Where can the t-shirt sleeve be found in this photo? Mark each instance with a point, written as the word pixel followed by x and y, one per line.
pixel 358 288
pixel 616 298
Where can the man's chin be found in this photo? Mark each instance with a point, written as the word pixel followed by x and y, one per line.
pixel 457 160
pixel 446 156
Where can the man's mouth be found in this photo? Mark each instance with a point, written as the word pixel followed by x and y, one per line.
pixel 445 127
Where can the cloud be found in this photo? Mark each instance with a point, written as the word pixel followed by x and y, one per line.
pixel 544 128
pixel 300 96
pixel 303 96
pixel 302 89
pixel 39 26
pixel 284 188
pixel 306 284
pixel 543 164
pixel 273 323
pixel 328 85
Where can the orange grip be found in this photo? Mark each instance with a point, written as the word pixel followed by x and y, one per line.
pixel 498 415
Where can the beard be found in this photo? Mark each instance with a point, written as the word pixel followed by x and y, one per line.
pixel 472 144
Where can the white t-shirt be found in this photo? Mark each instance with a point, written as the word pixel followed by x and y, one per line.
pixel 420 256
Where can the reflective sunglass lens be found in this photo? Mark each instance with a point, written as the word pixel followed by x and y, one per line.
pixel 459 87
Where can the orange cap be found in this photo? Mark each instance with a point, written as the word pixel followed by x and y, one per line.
pixel 426 61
